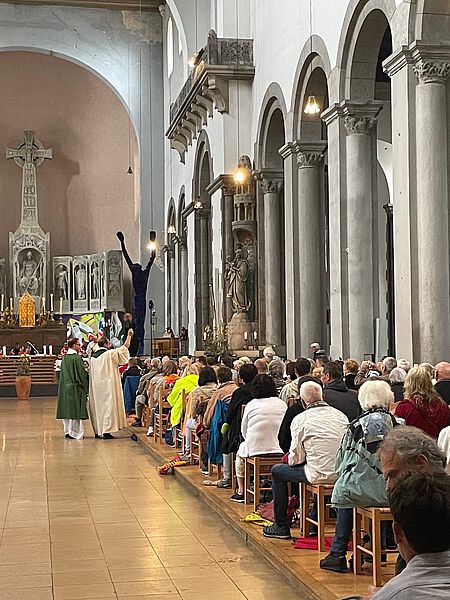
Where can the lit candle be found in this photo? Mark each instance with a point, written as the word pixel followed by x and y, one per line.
pixel 44 349
pixel 204 336
pixel 2 308
pixel 245 336
pixel 255 336
pixel 51 302
pixel 60 305
pixel 50 349
pixel 4 350
pixel 11 304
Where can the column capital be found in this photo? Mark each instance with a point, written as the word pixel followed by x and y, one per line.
pixel 271 181
pixel 288 149
pixel 431 63
pixel 432 71
pixel 224 182
pixel 360 116
pixel 310 154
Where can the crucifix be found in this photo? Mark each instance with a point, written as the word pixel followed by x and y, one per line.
pixel 29 155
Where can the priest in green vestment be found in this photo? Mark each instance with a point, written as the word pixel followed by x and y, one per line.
pixel 72 392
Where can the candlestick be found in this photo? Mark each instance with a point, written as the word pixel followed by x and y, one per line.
pixel 51 302
pixel 11 304
pixel 50 350
pixel 43 304
pixel 245 335
pixel 2 301
pixel 204 336
pixel 60 305
pixel 44 349
pixel 255 336
pixel 4 350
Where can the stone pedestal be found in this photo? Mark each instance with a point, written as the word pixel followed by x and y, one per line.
pixel 238 325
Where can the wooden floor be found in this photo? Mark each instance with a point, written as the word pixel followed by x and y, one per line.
pixel 301 567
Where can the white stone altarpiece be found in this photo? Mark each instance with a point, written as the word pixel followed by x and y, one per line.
pixel 29 246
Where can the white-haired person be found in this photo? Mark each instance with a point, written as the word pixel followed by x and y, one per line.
pixel 397 379
pixel 375 397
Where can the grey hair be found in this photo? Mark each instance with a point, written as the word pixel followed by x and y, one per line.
pixel 410 443
pixel 375 394
pixel 155 362
pixel 397 375
pixel 276 367
pixel 310 392
pixel 390 363
pixel 404 364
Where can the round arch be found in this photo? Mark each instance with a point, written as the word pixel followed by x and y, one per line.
pixel 202 153
pixel 355 25
pixel 432 22
pixel 181 207
pixel 273 101
pixel 83 65
pixel 314 55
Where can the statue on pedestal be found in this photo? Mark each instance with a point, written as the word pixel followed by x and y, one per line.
pixel 139 278
pixel 236 275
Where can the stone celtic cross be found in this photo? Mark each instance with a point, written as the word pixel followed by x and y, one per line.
pixel 29 155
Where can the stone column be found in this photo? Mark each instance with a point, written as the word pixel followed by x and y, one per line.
pixel 310 267
pixel 432 208
pixel 289 154
pixel 205 255
pixel 360 119
pixel 271 186
pixel 173 293
pixel 337 242
pixel 228 243
pixel 183 284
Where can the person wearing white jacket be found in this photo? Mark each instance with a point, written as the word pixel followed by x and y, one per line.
pixel 316 437
pixel 260 424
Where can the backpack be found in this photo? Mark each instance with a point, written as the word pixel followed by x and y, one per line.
pixel 360 479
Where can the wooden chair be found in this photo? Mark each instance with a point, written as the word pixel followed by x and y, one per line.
pixel 258 466
pixel 178 432
pixel 195 447
pixel 145 418
pixel 319 492
pixel 161 417
pixel 369 520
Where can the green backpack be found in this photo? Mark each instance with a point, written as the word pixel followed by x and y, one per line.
pixel 360 479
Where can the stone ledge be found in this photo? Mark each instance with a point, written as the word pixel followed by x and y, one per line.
pixel 278 553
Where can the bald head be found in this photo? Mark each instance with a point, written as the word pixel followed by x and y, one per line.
pixel 310 392
pixel 442 371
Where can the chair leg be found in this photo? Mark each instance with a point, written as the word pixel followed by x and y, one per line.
pixel 321 519
pixel 357 519
pixel 247 474
pixel 376 548
pixel 256 483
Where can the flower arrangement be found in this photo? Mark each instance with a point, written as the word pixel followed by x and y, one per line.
pixel 24 365
pixel 216 339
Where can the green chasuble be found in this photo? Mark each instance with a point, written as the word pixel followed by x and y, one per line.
pixel 73 389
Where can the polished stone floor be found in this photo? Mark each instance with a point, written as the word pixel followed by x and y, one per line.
pixel 94 519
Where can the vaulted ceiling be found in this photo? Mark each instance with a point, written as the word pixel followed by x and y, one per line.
pixel 111 4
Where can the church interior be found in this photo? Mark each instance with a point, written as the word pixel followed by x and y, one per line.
pixel 218 185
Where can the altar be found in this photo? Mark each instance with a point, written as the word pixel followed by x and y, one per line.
pixel 40 337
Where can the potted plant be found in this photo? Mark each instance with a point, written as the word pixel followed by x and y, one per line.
pixel 23 377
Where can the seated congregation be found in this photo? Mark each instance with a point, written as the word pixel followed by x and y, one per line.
pixel 357 451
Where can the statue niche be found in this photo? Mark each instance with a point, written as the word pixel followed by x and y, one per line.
pixel 29 275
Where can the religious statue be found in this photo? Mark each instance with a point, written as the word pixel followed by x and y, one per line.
pixel 236 274
pixel 80 282
pixel 62 282
pixel 139 277
pixel 27 311
pixel 114 273
pixel 29 275
pixel 95 280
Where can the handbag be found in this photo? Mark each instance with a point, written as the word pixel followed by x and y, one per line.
pixel 360 479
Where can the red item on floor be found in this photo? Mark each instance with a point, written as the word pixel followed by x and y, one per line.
pixel 310 543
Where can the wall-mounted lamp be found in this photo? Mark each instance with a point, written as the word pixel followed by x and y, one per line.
pixel 195 59
pixel 152 243
pixel 198 205
pixel 171 229
pixel 312 106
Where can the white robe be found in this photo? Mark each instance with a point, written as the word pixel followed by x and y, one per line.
pixel 106 404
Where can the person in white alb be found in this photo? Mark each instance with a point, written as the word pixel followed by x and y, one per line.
pixel 316 436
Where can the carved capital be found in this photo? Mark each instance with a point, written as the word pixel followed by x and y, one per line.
pixel 432 71
pixel 271 186
pixel 229 190
pixel 309 159
pixel 359 124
